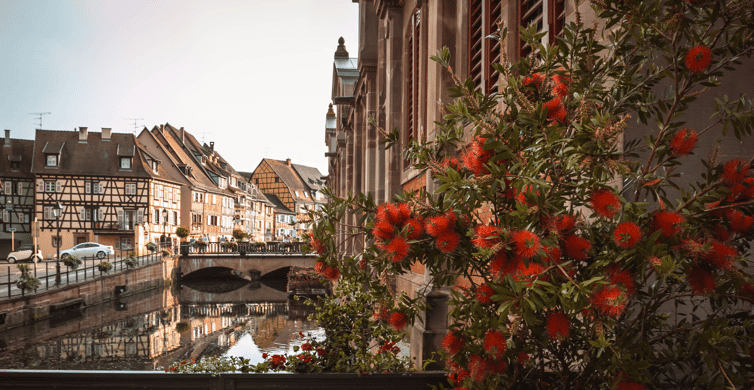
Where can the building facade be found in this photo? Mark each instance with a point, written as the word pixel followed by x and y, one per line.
pixel 16 194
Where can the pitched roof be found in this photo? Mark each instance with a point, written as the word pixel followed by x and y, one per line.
pixel 93 157
pixel 279 206
pixel 21 151
pixel 311 176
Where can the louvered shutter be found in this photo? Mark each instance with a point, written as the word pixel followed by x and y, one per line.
pixel 120 220
pixel 101 187
pixel 82 214
pixel 40 186
pixel 58 186
pixel 139 216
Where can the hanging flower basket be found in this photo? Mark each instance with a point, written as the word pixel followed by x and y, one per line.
pixel 131 261
pixel 27 282
pixel 151 246
pixel 104 267
pixel 72 262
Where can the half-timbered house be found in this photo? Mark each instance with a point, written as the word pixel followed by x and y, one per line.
pixel 107 186
pixel 16 193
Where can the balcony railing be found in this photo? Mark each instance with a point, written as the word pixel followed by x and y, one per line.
pixel 243 248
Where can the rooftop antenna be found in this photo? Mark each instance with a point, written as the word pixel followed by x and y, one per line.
pixel 136 125
pixel 40 114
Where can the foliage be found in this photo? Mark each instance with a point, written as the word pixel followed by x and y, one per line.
pixel 182 232
pixel 182 327
pixel 165 253
pixel 229 245
pixel 131 260
pixel 151 246
pixel 574 258
pixel 355 341
pixel 104 267
pixel 239 234
pixel 72 261
pixel 26 281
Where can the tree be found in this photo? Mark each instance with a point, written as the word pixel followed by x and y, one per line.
pixel 576 259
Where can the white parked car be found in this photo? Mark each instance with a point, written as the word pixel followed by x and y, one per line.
pixel 23 253
pixel 88 249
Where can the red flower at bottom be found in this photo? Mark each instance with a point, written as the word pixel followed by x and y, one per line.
pixel 558 325
pixel 701 281
pixel 398 320
pixel 698 58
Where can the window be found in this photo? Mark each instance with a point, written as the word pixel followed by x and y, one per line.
pixel 47 213
pixel 130 188
pixel 6 216
pixel 306 194
pixel 8 187
pixel 484 15
pixel 20 188
pixel 85 214
pixel 176 195
pixel 98 187
pixel 126 243
pixel 214 199
pixel 52 160
pixel 415 128
pixel 296 192
pixel 56 241
pixel 175 218
pixel 53 186
pixel 547 15
pixel 125 163
pixel 88 187
pixel 168 194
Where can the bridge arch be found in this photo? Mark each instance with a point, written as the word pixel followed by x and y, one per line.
pixel 248 265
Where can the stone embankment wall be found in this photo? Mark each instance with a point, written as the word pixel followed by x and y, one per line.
pixel 34 307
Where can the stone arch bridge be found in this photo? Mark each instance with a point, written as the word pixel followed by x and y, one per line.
pixel 251 265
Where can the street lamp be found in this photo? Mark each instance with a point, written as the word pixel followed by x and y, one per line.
pixel 57 211
pixel 9 208
pixel 165 226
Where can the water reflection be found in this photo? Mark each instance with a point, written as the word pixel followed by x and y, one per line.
pixel 156 328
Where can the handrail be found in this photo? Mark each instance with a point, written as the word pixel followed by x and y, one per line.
pixel 233 247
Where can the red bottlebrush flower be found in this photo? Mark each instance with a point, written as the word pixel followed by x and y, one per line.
pixel 627 385
pixel 484 294
pixel 554 255
pixel 564 223
pixel 319 266
pixel 530 272
pixel 448 242
pixel 307 347
pixel 451 162
pixel 617 276
pixel 415 229
pixel 453 342
pixel 399 248
pixel 610 300
pixel 317 246
pixel 739 222
pixel 486 236
pixel 397 320
pixel 522 358
pixel 440 224
pixel 331 273
pixel 683 142
pixel 560 87
pixel 558 325
pixel 698 58
pixel 494 343
pixel 382 315
pixel 555 110
pixel 501 265
pixel 479 367
pixel 535 80
pixel 525 243
pixel 383 230
pixel 668 222
pixel 475 156
pixel 735 171
pixel 605 203
pixel 577 247
pixel 655 261
pixel 321 352
pixel 701 281
pixel 721 255
pixel 747 289
pixel 627 234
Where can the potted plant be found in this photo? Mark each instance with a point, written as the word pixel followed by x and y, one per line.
pixel 26 281
pixel 104 267
pixel 131 260
pixel 182 232
pixel 165 253
pixel 151 246
pixel 72 261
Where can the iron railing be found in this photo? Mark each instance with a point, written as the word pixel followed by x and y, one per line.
pixel 45 271
pixel 248 248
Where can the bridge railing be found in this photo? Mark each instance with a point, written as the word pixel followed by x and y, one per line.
pixel 244 248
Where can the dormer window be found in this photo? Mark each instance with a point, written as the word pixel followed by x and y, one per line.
pixel 52 160
pixel 154 165
pixel 125 163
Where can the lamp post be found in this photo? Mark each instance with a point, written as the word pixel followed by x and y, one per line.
pixel 9 208
pixel 57 211
pixel 165 226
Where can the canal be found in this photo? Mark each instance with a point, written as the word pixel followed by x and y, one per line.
pixel 214 316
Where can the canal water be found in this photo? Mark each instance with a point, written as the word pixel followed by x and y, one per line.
pixel 157 327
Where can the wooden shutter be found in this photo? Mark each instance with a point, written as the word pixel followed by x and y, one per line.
pixel 121 225
pixel 139 216
pixel 556 16
pixel 82 214
pixel 40 186
pixel 101 186
pixel 476 40
pixel 58 186
pixel 492 46
pixel 530 12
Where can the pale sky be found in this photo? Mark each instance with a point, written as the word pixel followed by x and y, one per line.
pixel 253 76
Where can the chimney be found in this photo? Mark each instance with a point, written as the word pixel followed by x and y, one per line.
pixel 288 162
pixel 83 134
pixel 212 146
pixel 183 136
pixel 162 129
pixel 106 133
pixel 7 138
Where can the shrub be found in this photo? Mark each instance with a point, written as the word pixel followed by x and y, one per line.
pixel 558 276
pixel 182 232
pixel 104 267
pixel 131 260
